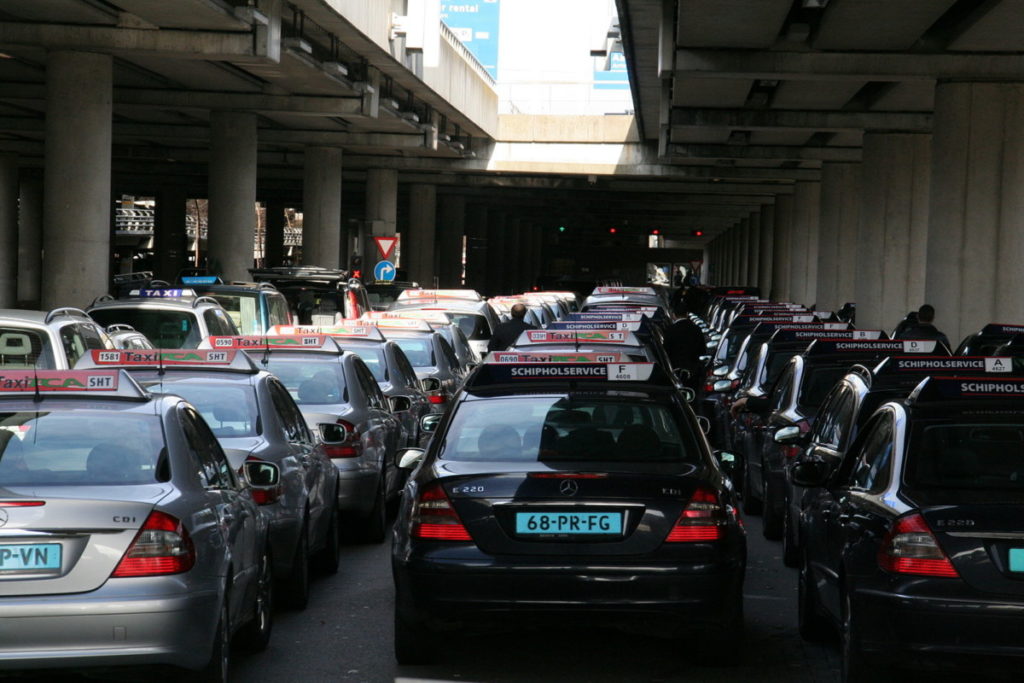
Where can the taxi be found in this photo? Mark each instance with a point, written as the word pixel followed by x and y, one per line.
pixel 442 322
pixel 127 537
pixel 53 340
pixel 988 339
pixel 913 547
pixel 430 354
pixel 254 420
pixel 338 399
pixel 620 342
pixel 548 488
pixel 254 307
pixel 170 317
pixel 465 308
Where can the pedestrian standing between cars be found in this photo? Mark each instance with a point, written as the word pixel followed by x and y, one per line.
pixel 684 344
pixel 506 333
pixel 924 328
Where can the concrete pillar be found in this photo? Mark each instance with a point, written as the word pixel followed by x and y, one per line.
pixel 743 250
pixel 273 249
pixel 321 207
pixel 840 220
pixel 976 224
pixel 231 235
pixel 30 241
pixel 77 203
pixel 451 226
pixel 753 247
pixel 496 257
pixel 476 247
pixel 170 240
pixel 729 271
pixel 8 230
pixel 420 242
pixel 781 252
pixel 381 216
pixel 893 228
pixel 766 248
pixel 803 243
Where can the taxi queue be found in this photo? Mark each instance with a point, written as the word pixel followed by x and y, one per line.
pixel 590 469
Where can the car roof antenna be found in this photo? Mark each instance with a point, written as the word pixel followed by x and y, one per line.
pixel 37 397
pixel 266 351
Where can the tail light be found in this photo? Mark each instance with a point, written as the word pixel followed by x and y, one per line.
pixel 910 548
pixel 791 451
pixel 434 518
pixel 22 503
pixel 351 447
pixel 162 546
pixel 703 519
pixel 437 398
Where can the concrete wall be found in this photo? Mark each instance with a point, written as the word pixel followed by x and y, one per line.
pixel 460 81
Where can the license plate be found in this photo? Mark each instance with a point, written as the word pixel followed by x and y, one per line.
pixel 561 523
pixel 29 557
pixel 1017 559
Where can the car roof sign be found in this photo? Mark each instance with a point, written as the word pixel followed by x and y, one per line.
pixel 282 342
pixel 163 293
pixel 938 389
pixel 89 383
pixel 206 359
pixel 901 367
pixel 828 347
pixel 647 291
pixel 562 357
pixel 353 328
pixel 594 325
pixel 530 337
pixel 494 374
pixel 411 324
pixel 431 315
pixel 1001 329
pixel 625 317
pixel 783 335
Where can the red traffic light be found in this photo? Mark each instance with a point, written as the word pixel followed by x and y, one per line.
pixel 697 233
pixel 612 230
pixel 655 232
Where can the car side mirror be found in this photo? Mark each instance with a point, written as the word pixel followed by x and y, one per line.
pixel 810 472
pixel 264 480
pixel 727 461
pixel 410 458
pixel 711 344
pixel 332 433
pixel 430 384
pixel 704 359
pixel 722 385
pixel 399 404
pixel 430 423
pixel 788 435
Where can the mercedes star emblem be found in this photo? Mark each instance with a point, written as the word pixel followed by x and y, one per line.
pixel 569 487
pixel 3 517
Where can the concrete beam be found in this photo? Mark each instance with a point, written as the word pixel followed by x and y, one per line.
pixel 822 121
pixel 853 66
pixel 202 45
pixel 779 152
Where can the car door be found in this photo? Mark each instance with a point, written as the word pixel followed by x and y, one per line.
pixel 383 425
pixel 236 515
pixel 301 446
pixel 411 386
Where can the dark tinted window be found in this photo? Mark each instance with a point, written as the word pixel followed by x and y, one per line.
pixel 214 470
pixel 965 457
pixel 166 329
pixel 560 428
pixel 871 468
pixel 816 384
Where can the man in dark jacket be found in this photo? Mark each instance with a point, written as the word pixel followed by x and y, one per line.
pixel 506 334
pixel 923 328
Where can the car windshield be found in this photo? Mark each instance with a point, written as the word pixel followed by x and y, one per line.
pixel 959 459
pixel 243 309
pixel 23 348
pixel 80 447
pixel 373 356
pixel 229 409
pixel 559 428
pixel 420 352
pixel 165 328
pixel 311 381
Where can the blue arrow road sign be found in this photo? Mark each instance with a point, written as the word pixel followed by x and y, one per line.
pixel 384 271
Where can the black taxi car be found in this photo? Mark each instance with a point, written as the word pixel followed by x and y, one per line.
pixel 912 543
pixel 551 487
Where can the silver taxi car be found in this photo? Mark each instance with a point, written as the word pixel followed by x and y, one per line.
pixel 171 318
pixel 126 536
pixel 54 339
pixel 255 420
pixel 342 402
pixel 430 355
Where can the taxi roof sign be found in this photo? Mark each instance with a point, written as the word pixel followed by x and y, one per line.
pixel 1002 329
pixel 404 324
pixel 163 293
pixel 431 315
pixel 831 347
pixel 937 389
pixel 464 294
pixel 207 359
pixel 547 357
pixel 594 325
pixel 902 367
pixel 782 335
pixel 530 337
pixel 648 291
pixel 351 328
pixel 90 383
pixel 622 316
pixel 282 342
pixel 494 374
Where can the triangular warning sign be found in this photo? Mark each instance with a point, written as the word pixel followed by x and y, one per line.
pixel 385 245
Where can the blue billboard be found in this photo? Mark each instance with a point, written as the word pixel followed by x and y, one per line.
pixel 616 77
pixel 475 22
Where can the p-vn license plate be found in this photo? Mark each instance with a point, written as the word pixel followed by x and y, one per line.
pixel 29 557
pixel 561 523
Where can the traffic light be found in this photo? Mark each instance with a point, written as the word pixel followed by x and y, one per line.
pixel 655 231
pixel 561 228
pixel 612 230
pixel 697 233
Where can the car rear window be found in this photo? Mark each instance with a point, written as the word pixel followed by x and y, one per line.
pixel 420 352
pixel 568 428
pixel 80 447
pixel 165 328
pixel 373 356
pixel 22 348
pixel 311 381
pixel 243 309
pixel 473 326
pixel 967 458
pixel 817 382
pixel 229 409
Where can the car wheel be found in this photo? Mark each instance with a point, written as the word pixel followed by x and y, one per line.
pixel 857 666
pixel 255 636
pixel 375 525
pixel 814 628
pixel 330 556
pixel 790 544
pixel 751 504
pixel 771 519
pixel 414 643
pixel 216 671
pixel 295 588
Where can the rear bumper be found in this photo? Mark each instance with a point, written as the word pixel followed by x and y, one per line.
pixel 117 625
pixel 920 628
pixel 455 589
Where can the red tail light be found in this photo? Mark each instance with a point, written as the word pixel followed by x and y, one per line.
pixel 791 451
pixel 911 548
pixel 162 546
pixel 351 447
pixel 437 399
pixel 703 519
pixel 434 518
pixel 22 503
